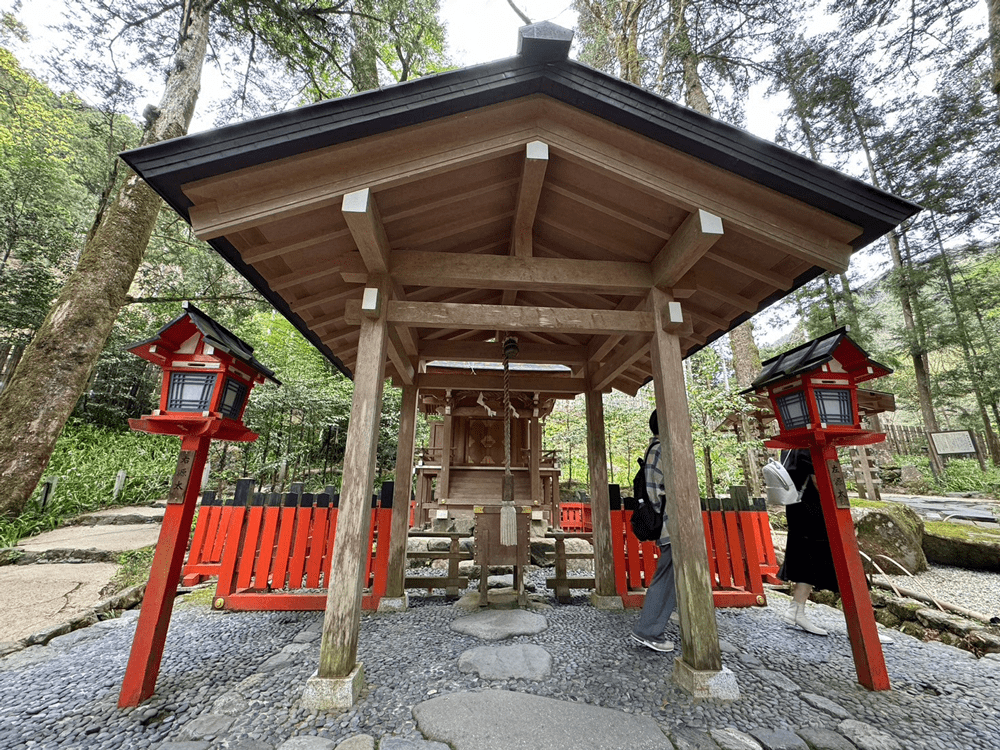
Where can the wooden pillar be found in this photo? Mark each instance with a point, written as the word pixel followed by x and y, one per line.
pixel 342 622
pixel 600 502
pixel 444 477
pixel 401 496
pixel 869 662
pixel 535 459
pixel 158 601
pixel 699 633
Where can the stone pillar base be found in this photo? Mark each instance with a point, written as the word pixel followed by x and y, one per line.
pixel 706 683
pixel 393 603
pixel 612 603
pixel 333 693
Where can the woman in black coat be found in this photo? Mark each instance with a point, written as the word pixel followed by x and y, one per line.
pixel 808 560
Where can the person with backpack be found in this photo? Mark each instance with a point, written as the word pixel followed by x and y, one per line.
pixel 661 594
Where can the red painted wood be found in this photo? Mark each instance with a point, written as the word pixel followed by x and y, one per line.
pixel 157 604
pixel 748 535
pixel 199 560
pixel 322 530
pixel 249 542
pixel 720 548
pixel 618 532
pixel 381 575
pixel 303 531
pixel 869 661
pixel 738 561
pixel 268 538
pixel 231 552
pixel 283 550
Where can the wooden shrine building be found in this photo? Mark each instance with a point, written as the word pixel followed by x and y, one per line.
pixel 612 231
pixel 451 481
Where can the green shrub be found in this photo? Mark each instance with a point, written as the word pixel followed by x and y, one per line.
pixel 86 462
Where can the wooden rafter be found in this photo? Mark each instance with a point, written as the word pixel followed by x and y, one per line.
pixel 621 361
pixel 362 216
pixel 696 234
pixel 536 160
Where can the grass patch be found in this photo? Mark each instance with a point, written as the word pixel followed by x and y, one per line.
pixel 200 597
pixel 133 569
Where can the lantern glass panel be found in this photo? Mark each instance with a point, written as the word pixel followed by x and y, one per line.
pixel 233 396
pixel 794 412
pixel 834 405
pixel 190 391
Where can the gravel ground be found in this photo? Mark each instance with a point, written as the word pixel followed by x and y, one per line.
pixel 978 590
pixel 252 666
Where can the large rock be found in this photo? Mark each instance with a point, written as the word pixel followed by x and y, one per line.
pixel 975 552
pixel 891 531
pixel 575 547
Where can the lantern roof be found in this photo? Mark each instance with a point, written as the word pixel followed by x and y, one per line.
pixel 835 346
pixel 179 330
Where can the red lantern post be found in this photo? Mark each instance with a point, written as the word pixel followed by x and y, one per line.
pixel 207 376
pixel 814 393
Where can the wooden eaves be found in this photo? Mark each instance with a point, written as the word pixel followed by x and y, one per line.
pixel 533 195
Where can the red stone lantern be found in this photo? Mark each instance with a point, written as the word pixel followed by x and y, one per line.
pixel 813 390
pixel 208 373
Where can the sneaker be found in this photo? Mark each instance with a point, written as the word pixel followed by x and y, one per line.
pixel 657 645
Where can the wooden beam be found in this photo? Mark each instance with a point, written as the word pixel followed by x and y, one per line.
pixel 536 160
pixel 623 358
pixel 458 270
pixel 259 253
pixel 324 298
pixel 361 213
pixel 485 351
pixel 401 493
pixel 749 269
pixel 342 622
pixel 508 318
pixel 397 355
pixel 597 462
pixel 489 382
pixel 696 234
pixel 600 347
pixel 699 633
pixel 781 222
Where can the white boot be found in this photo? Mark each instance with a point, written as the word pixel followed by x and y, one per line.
pixel 796 615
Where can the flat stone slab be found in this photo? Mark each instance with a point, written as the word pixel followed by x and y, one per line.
pixel 522 660
pixel 141 514
pixel 495 625
pixel 103 537
pixel 504 720
pixel 48 594
pixel 867 737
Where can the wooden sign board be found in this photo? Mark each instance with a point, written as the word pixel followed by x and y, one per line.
pixel 955 442
pixel 839 483
pixel 182 476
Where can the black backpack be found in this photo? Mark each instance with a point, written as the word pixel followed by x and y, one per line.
pixel 647 521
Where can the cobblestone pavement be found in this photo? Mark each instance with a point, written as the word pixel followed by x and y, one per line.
pixel 234 680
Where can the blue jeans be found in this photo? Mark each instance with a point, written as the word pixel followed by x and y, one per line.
pixel 661 598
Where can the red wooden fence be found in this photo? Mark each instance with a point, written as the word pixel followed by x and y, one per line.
pixel 737 547
pixel 279 550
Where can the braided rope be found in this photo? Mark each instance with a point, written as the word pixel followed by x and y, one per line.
pixel 508 514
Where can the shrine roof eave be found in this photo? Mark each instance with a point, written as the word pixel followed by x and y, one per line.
pixel 166 166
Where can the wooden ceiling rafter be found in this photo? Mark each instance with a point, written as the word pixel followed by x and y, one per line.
pixel 632 159
pixel 693 238
pixel 745 267
pixel 529 190
pixel 491 351
pixel 623 358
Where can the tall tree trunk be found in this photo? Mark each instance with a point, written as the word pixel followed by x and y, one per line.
pixel 972 364
pixel 57 363
pixel 993 12
pixel 831 300
pixel 917 350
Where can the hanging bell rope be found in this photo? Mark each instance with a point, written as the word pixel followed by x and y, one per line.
pixel 508 513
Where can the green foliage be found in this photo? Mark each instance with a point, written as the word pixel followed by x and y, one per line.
pixel 133 569
pixel 86 462
pixel 965 475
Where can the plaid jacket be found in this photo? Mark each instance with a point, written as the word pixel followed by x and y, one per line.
pixel 654 482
